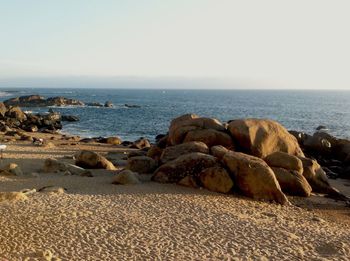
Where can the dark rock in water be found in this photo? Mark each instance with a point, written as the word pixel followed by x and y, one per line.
pixel 317 143
pixel 300 136
pixel 40 101
pixel 132 106
pixel 108 104
pixel 94 104
pixel 321 127
pixel 69 118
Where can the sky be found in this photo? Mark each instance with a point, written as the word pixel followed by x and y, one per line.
pixel 303 44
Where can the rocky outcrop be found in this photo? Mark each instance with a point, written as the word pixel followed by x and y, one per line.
pixel 108 104
pixel 254 178
pixel 40 101
pixel 173 152
pixel 92 160
pixel 263 137
pixel 186 165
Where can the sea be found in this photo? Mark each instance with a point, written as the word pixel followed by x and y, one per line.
pixel 295 109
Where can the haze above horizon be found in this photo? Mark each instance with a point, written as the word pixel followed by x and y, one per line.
pixel 194 43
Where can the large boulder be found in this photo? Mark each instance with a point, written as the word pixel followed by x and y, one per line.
pixel 216 179
pixel 280 159
pixel 126 177
pixel 173 152
pixel 210 137
pixel 141 164
pixel 292 182
pixel 263 137
pixel 92 160
pixel 180 127
pixel 186 165
pixel 254 177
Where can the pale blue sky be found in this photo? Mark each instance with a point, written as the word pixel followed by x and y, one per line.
pixel 254 43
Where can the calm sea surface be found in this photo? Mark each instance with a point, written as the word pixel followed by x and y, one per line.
pixel 297 110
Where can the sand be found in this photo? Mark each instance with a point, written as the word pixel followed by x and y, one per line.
pixel 96 220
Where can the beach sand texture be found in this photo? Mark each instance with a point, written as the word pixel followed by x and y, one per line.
pixel 96 220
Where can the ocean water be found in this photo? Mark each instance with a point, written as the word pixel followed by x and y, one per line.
pixel 297 110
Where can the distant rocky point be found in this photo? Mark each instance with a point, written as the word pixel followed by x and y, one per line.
pixel 40 101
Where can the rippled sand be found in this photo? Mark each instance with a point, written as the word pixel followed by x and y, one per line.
pixel 95 220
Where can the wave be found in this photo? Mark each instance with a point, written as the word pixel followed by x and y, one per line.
pixel 5 94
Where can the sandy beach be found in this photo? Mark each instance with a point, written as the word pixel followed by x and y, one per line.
pixel 96 220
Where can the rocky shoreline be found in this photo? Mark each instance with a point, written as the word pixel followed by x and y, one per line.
pixel 257 158
pixel 221 177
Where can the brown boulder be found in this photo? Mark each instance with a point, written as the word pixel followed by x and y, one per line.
pixel 186 165
pixel 280 159
pixel 210 137
pixel 180 126
pixel 173 152
pixel 263 137
pixel 114 141
pixel 316 176
pixel 92 160
pixel 254 177
pixel 218 151
pixel 216 179
pixel 292 182
pixel 141 164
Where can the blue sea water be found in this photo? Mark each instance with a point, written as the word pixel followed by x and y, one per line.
pixel 297 110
